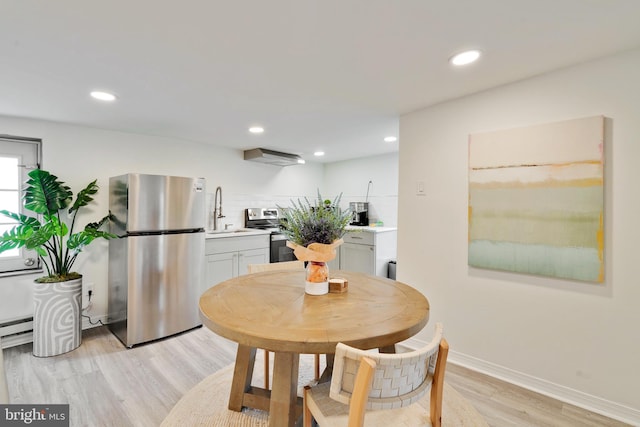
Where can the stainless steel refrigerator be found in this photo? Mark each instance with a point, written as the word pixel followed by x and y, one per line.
pixel 156 266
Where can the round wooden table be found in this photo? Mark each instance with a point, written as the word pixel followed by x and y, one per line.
pixel 270 310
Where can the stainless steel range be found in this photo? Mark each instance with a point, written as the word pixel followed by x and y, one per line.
pixel 269 219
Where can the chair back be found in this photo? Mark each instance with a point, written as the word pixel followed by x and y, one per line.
pixel 398 380
pixel 274 266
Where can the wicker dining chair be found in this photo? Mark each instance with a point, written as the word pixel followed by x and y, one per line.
pixel 276 266
pixel 377 389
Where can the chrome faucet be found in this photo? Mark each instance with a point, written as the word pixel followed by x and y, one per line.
pixel 217 208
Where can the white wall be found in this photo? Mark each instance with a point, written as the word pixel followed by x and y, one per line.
pixel 351 178
pixel 78 155
pixel 578 341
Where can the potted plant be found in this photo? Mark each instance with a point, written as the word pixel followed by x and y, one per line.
pixel 313 232
pixel 57 296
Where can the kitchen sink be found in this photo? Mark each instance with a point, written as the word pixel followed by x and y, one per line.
pixel 235 230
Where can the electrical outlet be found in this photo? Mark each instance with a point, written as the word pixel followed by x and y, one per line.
pixel 88 287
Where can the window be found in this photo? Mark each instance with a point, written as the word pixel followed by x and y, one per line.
pixel 17 157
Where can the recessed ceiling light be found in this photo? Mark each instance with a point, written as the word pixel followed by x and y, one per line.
pixel 390 139
pixel 318 153
pixel 256 129
pixel 103 96
pixel 464 58
pixel 301 161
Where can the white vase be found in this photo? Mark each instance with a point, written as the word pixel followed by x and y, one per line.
pixel 56 317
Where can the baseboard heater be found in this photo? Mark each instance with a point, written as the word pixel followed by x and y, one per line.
pixel 16 332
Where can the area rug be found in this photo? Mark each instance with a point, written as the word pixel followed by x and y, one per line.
pixel 206 403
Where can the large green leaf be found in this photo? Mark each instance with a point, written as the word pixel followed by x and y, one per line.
pixel 54 227
pixel 17 237
pixel 28 221
pixel 84 196
pixel 39 238
pixel 45 194
pixel 78 241
pixel 103 221
pixel 20 234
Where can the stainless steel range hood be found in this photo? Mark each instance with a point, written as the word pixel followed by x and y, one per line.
pixel 272 157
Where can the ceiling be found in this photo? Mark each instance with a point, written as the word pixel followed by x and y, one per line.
pixel 331 75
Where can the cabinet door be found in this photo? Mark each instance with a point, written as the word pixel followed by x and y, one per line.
pixel 334 264
pixel 251 256
pixel 221 267
pixel 359 258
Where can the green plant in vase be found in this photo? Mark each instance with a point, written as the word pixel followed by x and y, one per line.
pixel 313 232
pixel 47 196
pixel 323 222
pixel 58 295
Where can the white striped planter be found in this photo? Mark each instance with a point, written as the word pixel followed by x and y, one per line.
pixel 56 317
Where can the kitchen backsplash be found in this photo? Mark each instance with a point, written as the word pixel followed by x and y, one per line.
pixel 381 208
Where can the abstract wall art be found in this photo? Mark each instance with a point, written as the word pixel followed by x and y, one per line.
pixel 536 200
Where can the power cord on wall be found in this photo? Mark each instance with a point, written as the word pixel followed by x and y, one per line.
pixel 99 322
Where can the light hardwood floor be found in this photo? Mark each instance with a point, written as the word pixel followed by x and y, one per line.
pixel 108 385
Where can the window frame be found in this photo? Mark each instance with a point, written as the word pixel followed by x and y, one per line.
pixel 9 267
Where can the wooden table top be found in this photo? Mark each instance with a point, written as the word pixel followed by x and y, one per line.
pixel 270 310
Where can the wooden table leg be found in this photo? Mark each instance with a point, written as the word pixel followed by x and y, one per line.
pixel 284 391
pixel 328 371
pixel 242 375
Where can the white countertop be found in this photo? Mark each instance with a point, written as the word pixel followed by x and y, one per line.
pixel 236 232
pixel 239 232
pixel 370 229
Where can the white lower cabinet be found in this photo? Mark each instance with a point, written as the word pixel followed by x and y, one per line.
pixel 221 267
pixel 368 251
pixel 355 257
pixel 334 264
pixel 228 257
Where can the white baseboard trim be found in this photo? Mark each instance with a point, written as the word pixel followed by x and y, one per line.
pixel 565 394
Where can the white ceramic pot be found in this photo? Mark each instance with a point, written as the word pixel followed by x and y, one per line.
pixel 56 317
